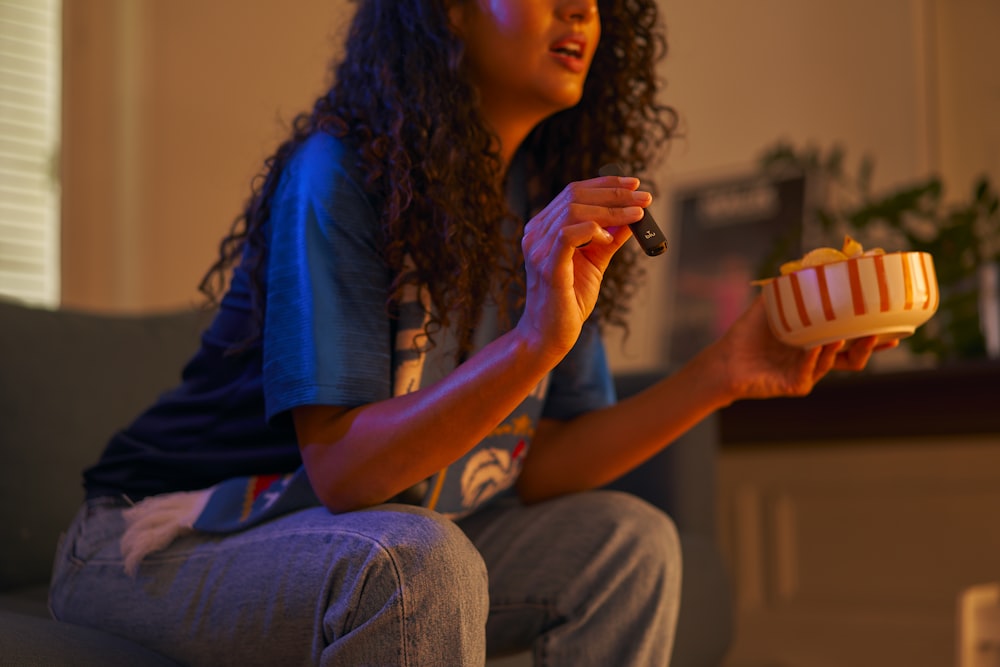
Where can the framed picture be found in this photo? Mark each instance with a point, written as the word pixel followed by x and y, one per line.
pixel 727 234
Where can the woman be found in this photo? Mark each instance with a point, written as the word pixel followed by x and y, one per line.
pixel 413 323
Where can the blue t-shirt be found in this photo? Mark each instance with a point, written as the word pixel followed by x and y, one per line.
pixel 327 340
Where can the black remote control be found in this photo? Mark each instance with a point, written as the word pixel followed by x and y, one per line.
pixel 646 231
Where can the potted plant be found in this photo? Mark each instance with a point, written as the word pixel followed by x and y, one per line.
pixel 963 238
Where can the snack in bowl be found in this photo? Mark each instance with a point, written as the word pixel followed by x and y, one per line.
pixel 832 294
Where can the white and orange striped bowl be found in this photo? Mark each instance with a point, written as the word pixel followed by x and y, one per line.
pixel 888 296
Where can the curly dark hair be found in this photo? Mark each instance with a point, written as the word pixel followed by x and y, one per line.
pixel 403 99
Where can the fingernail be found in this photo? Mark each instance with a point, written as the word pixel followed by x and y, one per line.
pixel 630 182
pixel 643 196
pixel 631 211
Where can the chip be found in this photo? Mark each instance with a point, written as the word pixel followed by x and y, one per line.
pixel 824 255
pixel 852 248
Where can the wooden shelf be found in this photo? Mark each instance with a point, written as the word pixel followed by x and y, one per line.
pixel 957 399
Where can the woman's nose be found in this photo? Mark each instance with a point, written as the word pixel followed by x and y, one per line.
pixel 578 10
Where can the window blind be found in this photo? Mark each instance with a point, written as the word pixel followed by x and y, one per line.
pixel 30 82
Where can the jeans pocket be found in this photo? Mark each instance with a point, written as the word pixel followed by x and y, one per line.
pixel 94 532
pixel 92 536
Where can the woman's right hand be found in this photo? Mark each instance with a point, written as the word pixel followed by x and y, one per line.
pixel 567 247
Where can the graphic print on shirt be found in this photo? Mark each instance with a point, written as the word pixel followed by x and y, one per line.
pixel 493 465
pixel 490 471
pixel 490 468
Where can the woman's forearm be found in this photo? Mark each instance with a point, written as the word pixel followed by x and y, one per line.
pixel 597 447
pixel 363 456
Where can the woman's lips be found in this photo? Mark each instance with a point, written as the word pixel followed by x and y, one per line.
pixel 569 52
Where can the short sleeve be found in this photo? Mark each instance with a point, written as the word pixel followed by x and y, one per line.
pixel 327 336
pixel 582 381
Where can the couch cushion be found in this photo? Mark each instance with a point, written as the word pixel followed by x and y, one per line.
pixel 67 381
pixel 33 601
pixel 27 641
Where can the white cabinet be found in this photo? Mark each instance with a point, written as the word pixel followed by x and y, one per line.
pixel 856 553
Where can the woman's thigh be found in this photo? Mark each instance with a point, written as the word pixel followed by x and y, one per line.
pixel 294 590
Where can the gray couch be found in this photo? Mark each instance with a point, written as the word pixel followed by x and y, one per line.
pixel 68 379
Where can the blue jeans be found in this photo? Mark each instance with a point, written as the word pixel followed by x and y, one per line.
pixel 587 579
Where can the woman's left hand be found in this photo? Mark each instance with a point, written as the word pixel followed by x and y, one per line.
pixel 758 365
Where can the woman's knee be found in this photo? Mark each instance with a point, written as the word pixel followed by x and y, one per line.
pixel 649 521
pixel 644 531
pixel 433 548
pixel 414 586
pixel 422 557
pixel 644 552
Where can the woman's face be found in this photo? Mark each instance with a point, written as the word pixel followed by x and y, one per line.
pixel 528 55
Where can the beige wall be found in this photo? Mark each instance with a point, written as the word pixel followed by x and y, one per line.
pixel 171 105
pixel 170 108
pixel 968 103
pixel 911 82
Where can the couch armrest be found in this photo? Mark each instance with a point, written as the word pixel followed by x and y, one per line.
pixel 680 479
